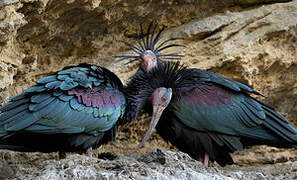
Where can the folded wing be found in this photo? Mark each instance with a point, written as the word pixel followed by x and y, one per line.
pixel 74 100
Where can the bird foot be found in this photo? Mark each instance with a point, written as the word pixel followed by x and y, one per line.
pixel 90 152
pixel 206 159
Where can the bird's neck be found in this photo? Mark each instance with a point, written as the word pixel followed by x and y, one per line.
pixel 135 103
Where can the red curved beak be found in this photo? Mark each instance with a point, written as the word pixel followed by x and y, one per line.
pixel 159 104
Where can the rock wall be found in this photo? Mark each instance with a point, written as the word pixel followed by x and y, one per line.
pixel 252 41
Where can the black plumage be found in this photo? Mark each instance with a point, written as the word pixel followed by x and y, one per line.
pixel 203 114
pixel 73 110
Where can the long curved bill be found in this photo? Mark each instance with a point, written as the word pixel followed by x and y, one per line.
pixel 157 112
pixel 161 99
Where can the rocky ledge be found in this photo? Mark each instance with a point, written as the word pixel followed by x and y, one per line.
pixel 160 164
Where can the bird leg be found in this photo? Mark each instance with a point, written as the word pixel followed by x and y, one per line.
pixel 206 159
pixel 89 152
pixel 62 155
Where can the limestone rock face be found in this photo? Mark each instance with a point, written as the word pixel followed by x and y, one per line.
pixel 10 54
pixel 176 165
pixel 251 41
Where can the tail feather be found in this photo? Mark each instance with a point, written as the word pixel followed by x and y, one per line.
pixel 281 131
pixel 273 112
pixel 280 123
pixel 280 126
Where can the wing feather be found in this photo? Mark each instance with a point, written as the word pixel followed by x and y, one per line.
pixel 20 121
pixel 49 108
pixel 228 83
pixel 5 116
pixel 13 104
pixel 38 98
pixel 42 104
pixel 236 116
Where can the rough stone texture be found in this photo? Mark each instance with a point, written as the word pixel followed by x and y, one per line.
pixel 252 41
pixel 177 165
pixel 10 22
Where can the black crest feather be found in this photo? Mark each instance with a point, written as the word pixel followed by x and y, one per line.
pixel 151 40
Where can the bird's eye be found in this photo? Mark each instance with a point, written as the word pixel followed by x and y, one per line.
pixel 163 99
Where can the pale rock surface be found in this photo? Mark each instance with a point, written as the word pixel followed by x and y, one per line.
pixel 177 165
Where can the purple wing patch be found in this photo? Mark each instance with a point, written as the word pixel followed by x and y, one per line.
pixel 96 97
pixel 206 94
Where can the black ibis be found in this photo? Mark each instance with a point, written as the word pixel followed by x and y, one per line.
pixel 201 113
pixel 73 110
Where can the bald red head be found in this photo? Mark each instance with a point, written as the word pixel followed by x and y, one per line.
pixel 149 60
